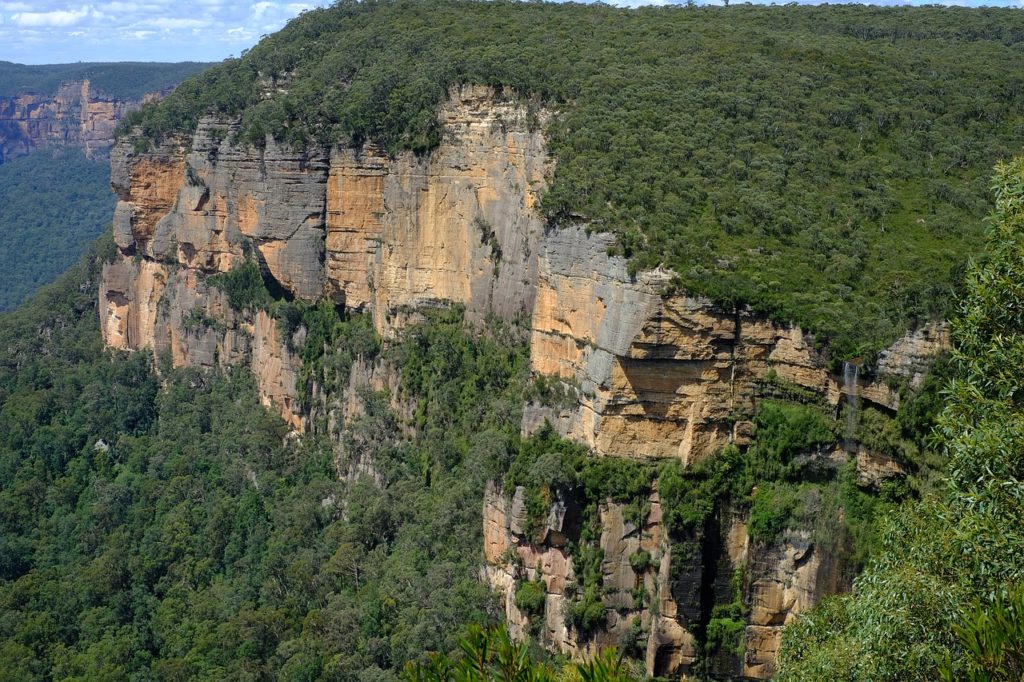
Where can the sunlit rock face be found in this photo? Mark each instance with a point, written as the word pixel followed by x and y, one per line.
pixel 644 372
pixel 76 116
pixel 665 375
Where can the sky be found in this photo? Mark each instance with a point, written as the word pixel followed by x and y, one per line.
pixel 48 32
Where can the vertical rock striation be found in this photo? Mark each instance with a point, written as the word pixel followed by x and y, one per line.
pixel 645 372
pixel 76 116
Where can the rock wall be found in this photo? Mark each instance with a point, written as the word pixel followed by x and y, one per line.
pixel 787 579
pixel 77 115
pixel 644 372
pixel 389 235
pixel 514 556
pixel 671 375
pixel 779 581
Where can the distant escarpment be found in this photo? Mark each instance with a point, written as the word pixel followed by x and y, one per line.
pixel 630 368
pixel 76 116
pixel 76 105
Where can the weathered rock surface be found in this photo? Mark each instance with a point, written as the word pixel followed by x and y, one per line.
pixel 665 376
pixel 513 556
pixel 648 375
pixel 788 578
pixel 456 225
pixel 77 116
pixel 389 235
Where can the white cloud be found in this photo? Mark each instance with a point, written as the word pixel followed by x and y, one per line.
pixel 260 8
pixel 16 7
pixel 174 23
pixel 55 18
pixel 120 7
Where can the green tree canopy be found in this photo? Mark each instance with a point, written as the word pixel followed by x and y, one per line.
pixel 965 545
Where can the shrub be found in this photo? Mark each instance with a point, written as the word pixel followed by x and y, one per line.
pixel 530 597
pixel 244 287
pixel 640 561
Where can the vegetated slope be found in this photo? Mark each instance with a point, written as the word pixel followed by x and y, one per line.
pixel 124 80
pixel 957 555
pixel 825 164
pixel 166 529
pixel 52 205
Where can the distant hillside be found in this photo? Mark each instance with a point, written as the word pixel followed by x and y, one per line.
pixel 827 165
pixel 122 80
pixel 51 207
pixel 76 105
pixel 53 203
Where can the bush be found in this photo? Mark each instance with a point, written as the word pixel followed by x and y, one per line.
pixel 244 287
pixel 530 597
pixel 640 561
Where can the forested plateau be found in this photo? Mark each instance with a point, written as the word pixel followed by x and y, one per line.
pixel 688 332
pixel 57 122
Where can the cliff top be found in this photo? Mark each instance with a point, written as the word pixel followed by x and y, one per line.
pixel 121 80
pixel 826 165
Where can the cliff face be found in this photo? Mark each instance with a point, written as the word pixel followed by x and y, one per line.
pixel 665 376
pixel 642 374
pixel 646 597
pixel 75 116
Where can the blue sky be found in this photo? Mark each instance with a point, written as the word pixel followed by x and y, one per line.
pixel 46 32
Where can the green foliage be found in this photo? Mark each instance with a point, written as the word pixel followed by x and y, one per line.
pixel 776 506
pixel 606 667
pixel 468 389
pixel 993 639
pixel 689 495
pixel 156 531
pixel 51 207
pixel 530 597
pixel 196 319
pixel 588 613
pixel 488 656
pixel 957 547
pixel 640 561
pixel 726 629
pixel 485 655
pixel 633 640
pixel 244 287
pixel 783 432
pixel 554 391
pixel 331 342
pixel 725 633
pixel 823 164
pixel 124 80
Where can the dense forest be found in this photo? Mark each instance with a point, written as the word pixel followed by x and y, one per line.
pixel 156 524
pixel 943 594
pixel 123 80
pixel 52 205
pixel 828 165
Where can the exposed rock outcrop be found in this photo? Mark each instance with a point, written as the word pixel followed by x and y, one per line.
pixel 516 554
pixel 666 375
pixel 77 116
pixel 788 578
pixel 372 232
pixel 647 373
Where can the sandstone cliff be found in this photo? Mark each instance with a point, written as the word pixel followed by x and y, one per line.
pixel 76 116
pixel 642 373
